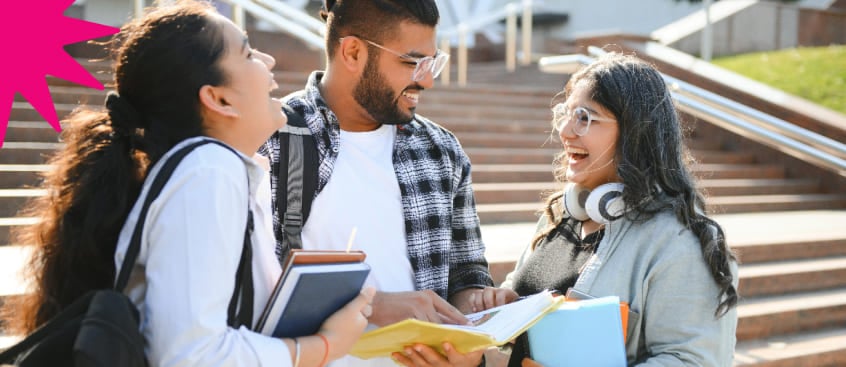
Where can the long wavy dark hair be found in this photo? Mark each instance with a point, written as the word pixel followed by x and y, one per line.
pixel 161 62
pixel 652 159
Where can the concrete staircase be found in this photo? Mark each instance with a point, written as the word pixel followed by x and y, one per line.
pixel 793 277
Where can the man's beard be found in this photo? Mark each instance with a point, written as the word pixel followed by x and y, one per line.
pixel 377 98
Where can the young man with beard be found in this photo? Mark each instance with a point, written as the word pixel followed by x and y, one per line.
pixel 398 178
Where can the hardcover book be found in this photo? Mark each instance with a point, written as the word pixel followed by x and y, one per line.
pixel 313 285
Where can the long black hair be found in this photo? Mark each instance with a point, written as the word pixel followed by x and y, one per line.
pixel 162 60
pixel 652 159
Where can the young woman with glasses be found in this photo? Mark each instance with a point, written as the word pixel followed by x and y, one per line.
pixel 630 222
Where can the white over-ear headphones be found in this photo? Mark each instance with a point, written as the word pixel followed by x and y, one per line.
pixel 602 204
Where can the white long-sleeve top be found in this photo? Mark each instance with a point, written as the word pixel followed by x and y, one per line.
pixel 191 244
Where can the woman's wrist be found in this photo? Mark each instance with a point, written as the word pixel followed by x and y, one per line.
pixel 309 351
pixel 326 352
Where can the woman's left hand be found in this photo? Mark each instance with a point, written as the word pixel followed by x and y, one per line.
pixel 420 355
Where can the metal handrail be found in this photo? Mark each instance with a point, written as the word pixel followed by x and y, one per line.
pixel 311 30
pixel 297 15
pixel 283 23
pixel 302 31
pixel 763 128
pixel 471 26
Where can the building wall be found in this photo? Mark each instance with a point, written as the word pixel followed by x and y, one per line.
pixel 109 12
pixel 770 26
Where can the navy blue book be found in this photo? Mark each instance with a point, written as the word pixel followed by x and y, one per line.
pixel 309 291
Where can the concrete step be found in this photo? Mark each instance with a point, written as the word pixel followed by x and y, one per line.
pixel 502 112
pixel 12 200
pixel 73 94
pixel 12 262
pixel 448 95
pixel 487 173
pixel 23 111
pixel 486 193
pixel 70 93
pixel 9 224
pixel 725 171
pixel 509 192
pixel 813 348
pixel 21 175
pixel 765 317
pixel 508 213
pixel 492 173
pixel 757 280
pixel 106 78
pixel 27 153
pixel 790 276
pixel 546 155
pixel 752 186
pixel 496 139
pixel 765 203
pixel 511 155
pixel 31 131
pixel 461 125
pixel 791 249
pixel 526 212
pixel 506 140
pixel 512 192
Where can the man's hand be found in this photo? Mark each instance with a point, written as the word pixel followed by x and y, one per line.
pixel 390 307
pixel 474 300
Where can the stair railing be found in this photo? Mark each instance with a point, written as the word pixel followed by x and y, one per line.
pixel 472 26
pixel 311 31
pixel 303 26
pixel 733 116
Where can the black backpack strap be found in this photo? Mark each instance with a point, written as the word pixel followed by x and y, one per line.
pixel 244 276
pixel 243 283
pixel 297 179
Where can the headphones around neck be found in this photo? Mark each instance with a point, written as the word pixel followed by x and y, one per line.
pixel 602 204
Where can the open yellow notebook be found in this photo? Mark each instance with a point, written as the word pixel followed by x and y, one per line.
pixel 493 327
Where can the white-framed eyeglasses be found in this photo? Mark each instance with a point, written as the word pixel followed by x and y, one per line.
pixel 434 64
pixel 561 115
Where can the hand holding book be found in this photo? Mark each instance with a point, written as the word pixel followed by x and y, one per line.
pixel 312 287
pixel 493 327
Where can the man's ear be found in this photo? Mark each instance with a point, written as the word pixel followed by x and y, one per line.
pixel 213 99
pixel 353 54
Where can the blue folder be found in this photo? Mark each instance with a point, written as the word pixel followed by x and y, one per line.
pixel 580 333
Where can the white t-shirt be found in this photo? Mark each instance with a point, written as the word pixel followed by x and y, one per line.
pixel 363 193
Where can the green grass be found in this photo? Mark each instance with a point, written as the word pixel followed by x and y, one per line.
pixel 817 74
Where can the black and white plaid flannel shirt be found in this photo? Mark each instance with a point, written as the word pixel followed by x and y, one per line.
pixel 441 225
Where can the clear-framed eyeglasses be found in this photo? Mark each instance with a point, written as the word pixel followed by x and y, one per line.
pixel 561 115
pixel 434 64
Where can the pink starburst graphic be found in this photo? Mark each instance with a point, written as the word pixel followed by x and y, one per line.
pixel 32 36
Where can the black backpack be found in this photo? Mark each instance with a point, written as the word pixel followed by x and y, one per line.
pixel 101 327
pixel 296 170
